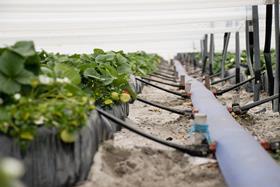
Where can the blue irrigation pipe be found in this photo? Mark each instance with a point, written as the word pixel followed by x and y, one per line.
pixel 242 160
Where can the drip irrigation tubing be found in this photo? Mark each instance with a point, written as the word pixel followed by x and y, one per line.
pixel 168 68
pixel 169 84
pixel 221 92
pixel 166 73
pixel 159 74
pixel 222 80
pixel 257 103
pixel 201 150
pixel 176 111
pixel 192 73
pixel 163 89
pixel 172 80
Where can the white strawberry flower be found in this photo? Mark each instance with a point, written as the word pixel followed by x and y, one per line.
pixel 45 79
pixel 64 80
pixel 17 96
pixel 39 121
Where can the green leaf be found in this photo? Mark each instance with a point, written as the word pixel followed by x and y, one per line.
pixel 25 77
pixel 111 70
pixel 97 51
pixel 92 73
pixel 5 115
pixel 124 68
pixel 121 59
pixel 32 64
pixel 47 71
pixel 24 48
pixel 105 57
pixel 8 85
pixel 11 63
pixel 73 89
pixel 107 80
pixel 64 70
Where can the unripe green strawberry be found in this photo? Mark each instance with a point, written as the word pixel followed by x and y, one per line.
pixel 108 102
pixel 26 135
pixel 67 136
pixel 125 97
pixel 115 96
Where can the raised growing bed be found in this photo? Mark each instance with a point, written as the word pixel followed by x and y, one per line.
pixel 50 162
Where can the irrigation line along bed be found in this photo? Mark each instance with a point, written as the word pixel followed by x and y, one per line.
pixel 260 102
pixel 161 82
pixel 176 111
pixel 163 89
pixel 222 80
pixel 221 92
pixel 164 75
pixel 172 74
pixel 201 150
pixel 164 78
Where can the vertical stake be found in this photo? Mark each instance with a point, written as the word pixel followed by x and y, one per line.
pixel 248 54
pixel 277 53
pixel 269 79
pixel 211 54
pixel 226 42
pixel 182 80
pixel 176 75
pixel 205 54
pixel 257 64
pixel 237 58
pixel 207 82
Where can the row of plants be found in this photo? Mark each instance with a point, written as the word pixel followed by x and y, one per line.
pixel 230 61
pixel 58 91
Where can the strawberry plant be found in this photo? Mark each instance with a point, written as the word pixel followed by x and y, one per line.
pixel 58 91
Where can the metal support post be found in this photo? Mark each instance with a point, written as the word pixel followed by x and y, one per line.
pixel 226 42
pixel 257 63
pixel 248 55
pixel 277 53
pixel 211 54
pixel 205 53
pixel 267 47
pixel 237 58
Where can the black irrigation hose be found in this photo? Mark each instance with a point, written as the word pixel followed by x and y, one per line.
pixel 221 92
pixel 169 84
pixel 192 73
pixel 166 73
pixel 166 68
pixel 176 111
pixel 193 150
pixel 215 75
pixel 166 90
pixel 257 103
pixel 169 70
pixel 222 80
pixel 163 78
pixel 159 74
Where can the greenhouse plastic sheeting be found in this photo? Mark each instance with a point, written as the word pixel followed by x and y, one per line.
pixel 162 26
pixel 51 163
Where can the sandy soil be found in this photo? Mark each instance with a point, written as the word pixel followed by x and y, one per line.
pixel 260 121
pixel 130 160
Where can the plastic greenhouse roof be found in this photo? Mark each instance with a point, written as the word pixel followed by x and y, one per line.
pixel 162 26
